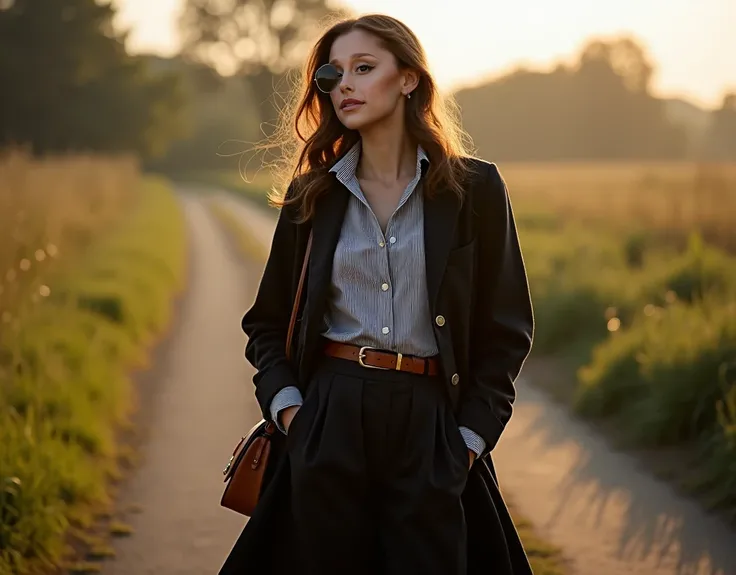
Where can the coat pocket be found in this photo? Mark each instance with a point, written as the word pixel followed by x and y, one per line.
pixel 462 255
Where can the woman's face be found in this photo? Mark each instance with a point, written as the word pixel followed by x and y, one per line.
pixel 372 87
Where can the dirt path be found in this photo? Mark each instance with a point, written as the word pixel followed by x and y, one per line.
pixel 200 402
pixel 608 516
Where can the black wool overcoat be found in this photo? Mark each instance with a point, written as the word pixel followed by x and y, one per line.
pixel 476 282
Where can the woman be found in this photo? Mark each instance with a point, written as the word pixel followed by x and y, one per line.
pixel 416 322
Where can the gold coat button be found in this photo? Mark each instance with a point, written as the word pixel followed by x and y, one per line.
pixel 455 379
pixel 440 320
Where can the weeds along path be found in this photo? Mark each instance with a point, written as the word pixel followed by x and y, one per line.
pixel 609 516
pixel 199 401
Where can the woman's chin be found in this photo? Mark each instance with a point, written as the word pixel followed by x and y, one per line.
pixel 355 120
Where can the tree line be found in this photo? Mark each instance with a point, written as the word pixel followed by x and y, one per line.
pixel 599 108
pixel 69 85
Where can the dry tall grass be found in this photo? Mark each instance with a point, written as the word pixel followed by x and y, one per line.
pixel 51 207
pixel 668 199
pixel 108 247
pixel 641 309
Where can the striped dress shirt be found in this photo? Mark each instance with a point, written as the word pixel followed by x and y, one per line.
pixel 378 293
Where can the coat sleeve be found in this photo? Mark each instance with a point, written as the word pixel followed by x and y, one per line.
pixel 503 328
pixel 267 321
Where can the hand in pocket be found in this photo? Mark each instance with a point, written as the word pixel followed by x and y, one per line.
pixel 472 456
pixel 287 416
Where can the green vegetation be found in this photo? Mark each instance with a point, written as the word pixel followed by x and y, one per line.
pixel 646 329
pixel 545 558
pixel 64 367
pixel 112 101
pixel 597 105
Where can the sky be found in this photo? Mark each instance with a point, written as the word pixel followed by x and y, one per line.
pixel 691 42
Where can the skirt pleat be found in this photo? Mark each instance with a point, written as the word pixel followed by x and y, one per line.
pixel 378 466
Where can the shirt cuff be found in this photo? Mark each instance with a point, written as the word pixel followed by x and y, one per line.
pixel 287 397
pixel 474 441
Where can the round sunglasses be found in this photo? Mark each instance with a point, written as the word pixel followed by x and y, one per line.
pixel 327 77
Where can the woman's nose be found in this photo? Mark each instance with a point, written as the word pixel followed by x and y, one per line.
pixel 345 84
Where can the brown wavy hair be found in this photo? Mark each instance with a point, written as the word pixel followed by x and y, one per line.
pixel 312 137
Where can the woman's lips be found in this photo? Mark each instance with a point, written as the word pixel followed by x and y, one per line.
pixel 350 104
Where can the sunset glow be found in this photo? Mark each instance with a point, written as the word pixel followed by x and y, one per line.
pixel 467 40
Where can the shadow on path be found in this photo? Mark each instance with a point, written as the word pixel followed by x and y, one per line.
pixel 609 515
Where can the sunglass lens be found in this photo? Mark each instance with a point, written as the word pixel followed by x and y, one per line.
pixel 327 77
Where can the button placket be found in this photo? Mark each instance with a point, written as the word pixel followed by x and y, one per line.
pixel 386 330
pixel 389 274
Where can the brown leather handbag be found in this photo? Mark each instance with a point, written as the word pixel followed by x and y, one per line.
pixel 245 470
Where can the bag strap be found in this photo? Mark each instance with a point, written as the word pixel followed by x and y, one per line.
pixel 297 299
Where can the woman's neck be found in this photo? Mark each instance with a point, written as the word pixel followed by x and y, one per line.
pixel 387 155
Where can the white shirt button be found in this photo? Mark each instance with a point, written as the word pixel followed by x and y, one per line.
pixel 385 330
pixel 384 286
pixel 392 239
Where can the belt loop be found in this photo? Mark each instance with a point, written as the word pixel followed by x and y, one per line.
pixel 398 361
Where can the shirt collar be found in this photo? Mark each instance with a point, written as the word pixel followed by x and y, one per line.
pixel 344 169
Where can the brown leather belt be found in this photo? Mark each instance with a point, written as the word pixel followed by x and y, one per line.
pixel 381 359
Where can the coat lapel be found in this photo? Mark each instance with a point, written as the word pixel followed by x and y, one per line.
pixel 326 227
pixel 440 217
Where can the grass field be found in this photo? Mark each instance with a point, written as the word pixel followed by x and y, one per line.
pixel 666 200
pixel 663 201
pixel 633 275
pixel 96 261
pixel 48 212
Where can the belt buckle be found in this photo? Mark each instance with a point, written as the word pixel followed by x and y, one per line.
pixel 361 357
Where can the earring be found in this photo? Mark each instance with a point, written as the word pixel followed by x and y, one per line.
pixel 408 96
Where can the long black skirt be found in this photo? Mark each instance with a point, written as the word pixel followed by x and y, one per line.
pixel 378 468
pixel 367 481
